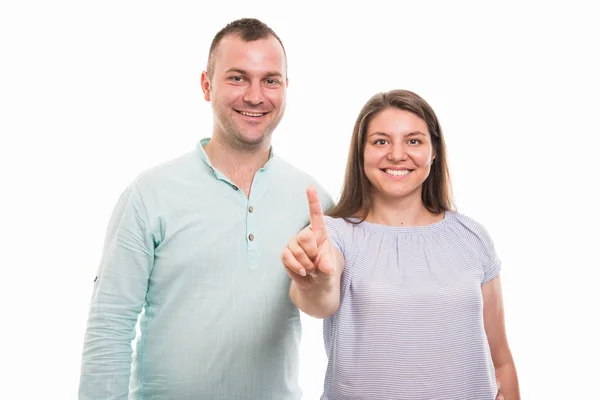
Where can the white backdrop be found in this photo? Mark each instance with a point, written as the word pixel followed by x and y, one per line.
pixel 93 93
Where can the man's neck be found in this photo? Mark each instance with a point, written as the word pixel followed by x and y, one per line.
pixel 239 165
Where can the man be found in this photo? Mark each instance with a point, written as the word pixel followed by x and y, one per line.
pixel 194 245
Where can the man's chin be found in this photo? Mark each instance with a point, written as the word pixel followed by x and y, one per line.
pixel 251 140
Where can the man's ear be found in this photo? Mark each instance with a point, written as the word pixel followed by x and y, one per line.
pixel 205 85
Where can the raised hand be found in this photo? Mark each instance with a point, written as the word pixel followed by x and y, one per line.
pixel 308 256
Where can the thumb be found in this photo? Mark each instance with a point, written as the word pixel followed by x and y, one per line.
pixel 326 260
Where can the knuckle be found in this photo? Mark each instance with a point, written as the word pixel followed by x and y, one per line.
pixel 303 239
pixel 305 235
pixel 285 256
pixel 296 252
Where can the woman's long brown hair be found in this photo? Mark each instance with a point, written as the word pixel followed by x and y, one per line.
pixel 355 200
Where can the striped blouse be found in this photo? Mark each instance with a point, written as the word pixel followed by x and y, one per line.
pixel 410 321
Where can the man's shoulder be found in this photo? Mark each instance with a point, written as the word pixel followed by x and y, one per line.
pixel 298 180
pixel 286 170
pixel 168 170
pixel 282 166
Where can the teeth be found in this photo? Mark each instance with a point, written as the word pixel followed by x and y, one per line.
pixel 251 114
pixel 396 172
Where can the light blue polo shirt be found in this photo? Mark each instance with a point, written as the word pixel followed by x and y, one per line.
pixel 202 261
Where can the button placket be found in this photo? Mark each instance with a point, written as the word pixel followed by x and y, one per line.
pixel 252 234
pixel 252 223
pixel 250 226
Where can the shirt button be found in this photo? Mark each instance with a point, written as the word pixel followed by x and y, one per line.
pixel 235 187
pixel 251 237
pixel 250 208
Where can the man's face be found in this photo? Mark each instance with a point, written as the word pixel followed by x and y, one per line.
pixel 247 90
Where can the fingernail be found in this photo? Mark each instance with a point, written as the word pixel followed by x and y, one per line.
pixel 303 272
pixel 314 274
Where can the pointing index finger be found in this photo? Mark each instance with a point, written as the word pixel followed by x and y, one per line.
pixel 317 221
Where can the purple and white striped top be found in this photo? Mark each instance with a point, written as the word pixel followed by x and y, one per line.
pixel 410 321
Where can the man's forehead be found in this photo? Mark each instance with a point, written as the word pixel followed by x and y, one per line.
pixel 264 55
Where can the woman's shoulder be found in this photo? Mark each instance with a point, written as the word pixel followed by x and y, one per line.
pixel 344 232
pixel 340 223
pixel 469 227
pixel 475 234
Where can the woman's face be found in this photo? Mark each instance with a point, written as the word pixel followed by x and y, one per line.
pixel 398 154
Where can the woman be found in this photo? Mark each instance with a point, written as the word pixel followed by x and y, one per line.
pixel 410 289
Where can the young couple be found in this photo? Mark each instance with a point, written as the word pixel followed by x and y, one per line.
pixel 409 289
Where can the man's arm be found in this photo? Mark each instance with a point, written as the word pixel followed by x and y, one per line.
pixel 118 298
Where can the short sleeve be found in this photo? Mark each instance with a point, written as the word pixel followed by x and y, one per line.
pixel 478 238
pixel 490 260
pixel 335 231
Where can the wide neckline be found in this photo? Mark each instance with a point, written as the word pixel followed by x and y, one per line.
pixel 422 228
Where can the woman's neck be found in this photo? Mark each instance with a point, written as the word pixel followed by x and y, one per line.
pixel 405 211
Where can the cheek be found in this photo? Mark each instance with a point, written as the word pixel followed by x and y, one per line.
pixel 276 97
pixel 422 157
pixel 371 159
pixel 372 162
pixel 228 94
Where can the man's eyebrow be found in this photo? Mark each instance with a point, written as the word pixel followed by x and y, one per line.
pixel 244 72
pixel 274 74
pixel 238 70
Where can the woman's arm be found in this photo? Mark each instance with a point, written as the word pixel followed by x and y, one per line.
pixel 314 265
pixel 493 319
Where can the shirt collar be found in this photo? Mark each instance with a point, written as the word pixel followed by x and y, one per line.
pixel 204 156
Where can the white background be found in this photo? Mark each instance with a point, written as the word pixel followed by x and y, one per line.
pixel 93 93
